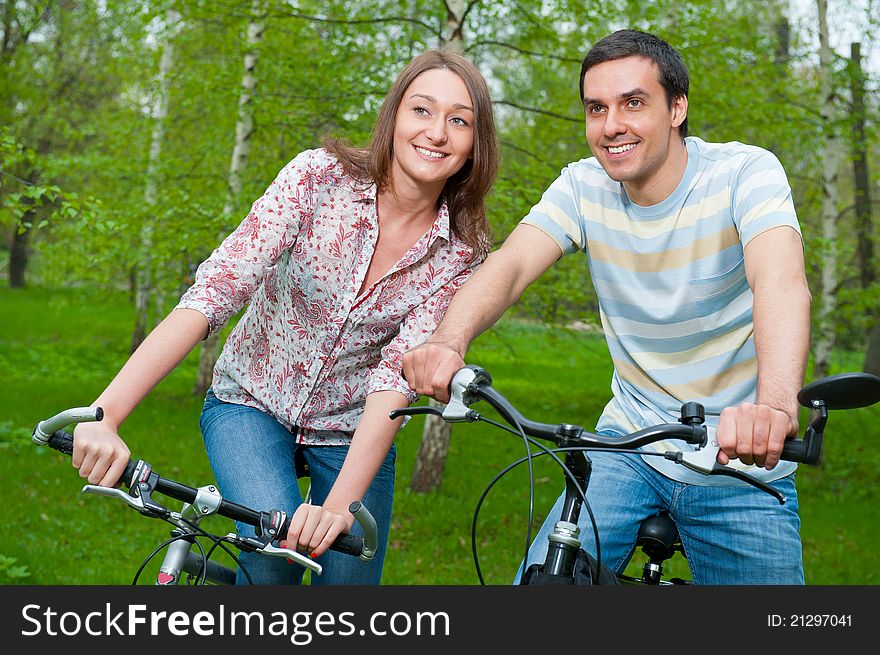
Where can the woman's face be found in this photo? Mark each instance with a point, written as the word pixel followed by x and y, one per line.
pixel 434 130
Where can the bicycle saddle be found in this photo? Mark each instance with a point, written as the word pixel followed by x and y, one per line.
pixel 658 537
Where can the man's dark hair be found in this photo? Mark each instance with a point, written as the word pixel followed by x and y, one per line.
pixel 632 43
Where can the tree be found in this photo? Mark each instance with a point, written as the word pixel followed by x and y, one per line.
pixel 863 210
pixel 831 156
pixel 244 128
pixel 144 287
pixel 57 83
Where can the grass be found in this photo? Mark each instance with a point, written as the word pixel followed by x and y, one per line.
pixel 60 348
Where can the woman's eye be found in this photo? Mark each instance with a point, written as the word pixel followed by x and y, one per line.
pixel 460 121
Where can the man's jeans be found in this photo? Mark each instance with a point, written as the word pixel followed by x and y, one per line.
pixel 252 456
pixel 733 535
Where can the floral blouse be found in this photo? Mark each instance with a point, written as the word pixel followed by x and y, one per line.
pixel 309 349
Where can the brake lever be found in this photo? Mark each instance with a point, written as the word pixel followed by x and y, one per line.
pixel 705 461
pixel 412 411
pixel 275 551
pixel 139 496
pixel 460 396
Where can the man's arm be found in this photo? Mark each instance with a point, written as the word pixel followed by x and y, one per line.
pixel 755 433
pixel 478 304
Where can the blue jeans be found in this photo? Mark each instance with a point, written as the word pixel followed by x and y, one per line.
pixel 252 456
pixel 735 535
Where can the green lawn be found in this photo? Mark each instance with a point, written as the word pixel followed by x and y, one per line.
pixel 60 348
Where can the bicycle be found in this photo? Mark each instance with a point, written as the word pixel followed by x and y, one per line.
pixel 199 504
pixel 566 562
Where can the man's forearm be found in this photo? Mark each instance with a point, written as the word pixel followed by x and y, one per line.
pixel 782 342
pixel 496 285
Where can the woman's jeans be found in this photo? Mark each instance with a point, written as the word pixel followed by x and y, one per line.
pixel 252 456
pixel 733 535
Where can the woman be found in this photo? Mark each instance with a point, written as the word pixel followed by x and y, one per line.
pixel 349 259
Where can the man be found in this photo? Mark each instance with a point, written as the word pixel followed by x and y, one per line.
pixel 695 252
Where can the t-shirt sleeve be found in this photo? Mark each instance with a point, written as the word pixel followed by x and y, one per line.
pixel 557 214
pixel 762 197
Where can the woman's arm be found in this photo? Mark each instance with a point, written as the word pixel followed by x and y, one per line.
pixel 98 451
pixel 314 527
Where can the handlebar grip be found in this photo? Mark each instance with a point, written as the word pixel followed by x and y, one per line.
pixel 802 450
pixel 349 544
pixel 63 442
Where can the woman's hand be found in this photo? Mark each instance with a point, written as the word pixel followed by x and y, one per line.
pixel 313 528
pixel 99 453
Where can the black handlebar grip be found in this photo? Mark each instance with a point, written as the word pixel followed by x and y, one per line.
pixel 348 544
pixel 806 451
pixel 63 442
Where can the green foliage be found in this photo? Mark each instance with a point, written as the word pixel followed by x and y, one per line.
pixel 10 572
pixel 78 102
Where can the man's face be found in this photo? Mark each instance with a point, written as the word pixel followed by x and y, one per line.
pixel 630 125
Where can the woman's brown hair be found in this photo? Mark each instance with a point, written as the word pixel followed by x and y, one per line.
pixel 465 192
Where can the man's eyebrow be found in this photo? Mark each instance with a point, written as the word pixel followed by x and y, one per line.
pixel 638 91
pixel 457 105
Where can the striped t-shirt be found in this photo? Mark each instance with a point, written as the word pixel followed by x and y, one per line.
pixel 674 301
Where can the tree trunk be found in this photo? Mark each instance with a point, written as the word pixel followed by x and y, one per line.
pixel 831 157
pixel 19 246
pixel 434 447
pixel 861 174
pixel 144 279
pixel 431 458
pixel 18 256
pixel 864 218
pixel 872 356
pixel 244 129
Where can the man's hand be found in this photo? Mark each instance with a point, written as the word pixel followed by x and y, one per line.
pixel 430 367
pixel 754 434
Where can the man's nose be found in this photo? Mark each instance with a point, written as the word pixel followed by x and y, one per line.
pixel 614 123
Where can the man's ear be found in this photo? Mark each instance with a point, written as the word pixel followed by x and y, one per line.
pixel 679 110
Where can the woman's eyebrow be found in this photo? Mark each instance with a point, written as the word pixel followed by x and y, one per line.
pixel 457 105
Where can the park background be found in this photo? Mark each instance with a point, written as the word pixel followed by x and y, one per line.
pixel 134 134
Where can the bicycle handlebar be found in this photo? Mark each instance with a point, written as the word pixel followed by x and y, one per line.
pixel 141 481
pixel 843 391
pixel 473 383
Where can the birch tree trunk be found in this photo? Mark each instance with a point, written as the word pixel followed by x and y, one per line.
pixel 143 273
pixel 244 128
pixel 831 157
pixel 434 447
